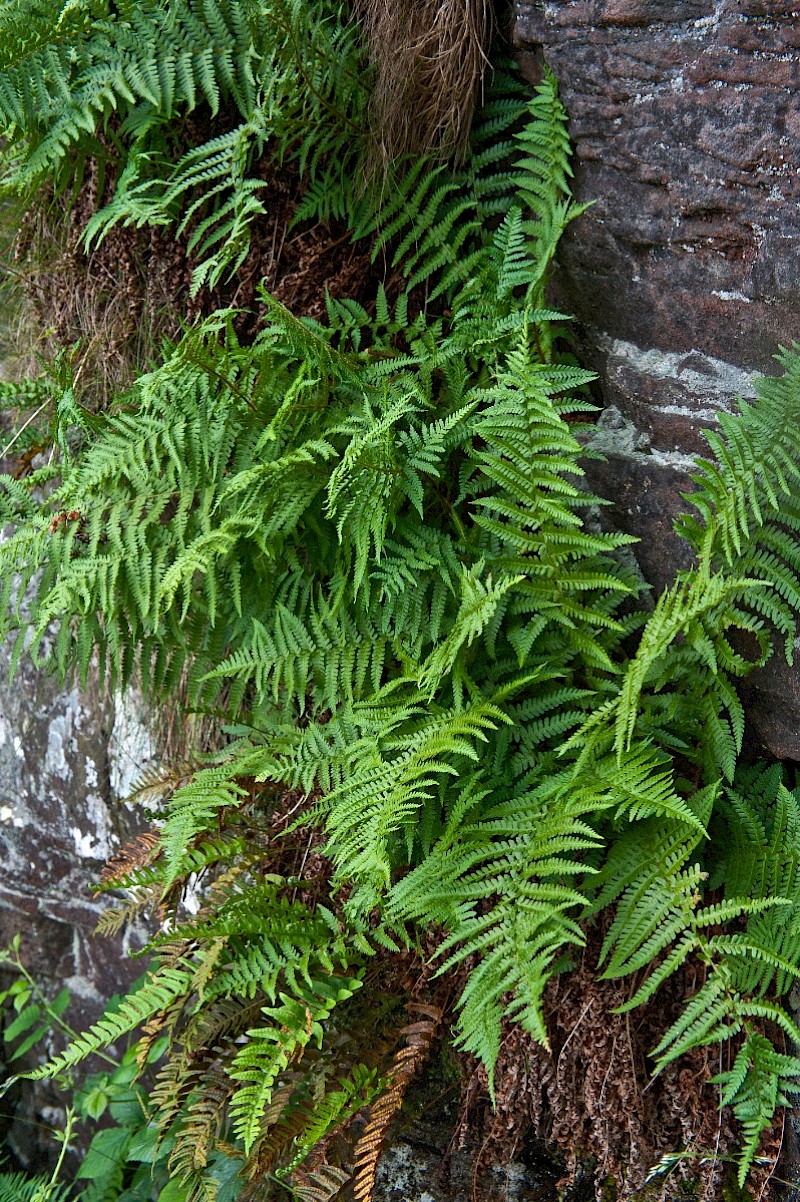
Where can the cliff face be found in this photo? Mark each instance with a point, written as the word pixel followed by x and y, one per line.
pixel 685 273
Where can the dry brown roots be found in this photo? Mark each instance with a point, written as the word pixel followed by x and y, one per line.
pixel 123 297
pixel 591 1099
pixel 429 57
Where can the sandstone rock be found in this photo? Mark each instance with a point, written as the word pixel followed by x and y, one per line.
pixel 685 273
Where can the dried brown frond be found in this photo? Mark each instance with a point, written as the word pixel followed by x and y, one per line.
pixel 174 1082
pixel 283 1122
pixel 323 1183
pixel 164 1022
pixel 157 782
pixel 202 1124
pixel 418 1037
pixel 197 1052
pixel 205 970
pixel 137 853
pixel 591 1098
pixel 429 58
pixel 111 922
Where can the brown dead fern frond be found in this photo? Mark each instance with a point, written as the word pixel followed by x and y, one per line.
pixel 429 57
pixel 591 1101
pixel 323 1183
pixel 202 1124
pixel 139 852
pixel 417 1039
pixel 111 922
pixel 156 783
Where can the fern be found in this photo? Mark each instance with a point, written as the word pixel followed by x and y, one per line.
pixel 270 1049
pixel 366 546
pixel 163 987
pixel 760 1081
pixel 84 74
pixel 18 1187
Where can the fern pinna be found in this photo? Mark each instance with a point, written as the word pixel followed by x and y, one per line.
pixel 366 545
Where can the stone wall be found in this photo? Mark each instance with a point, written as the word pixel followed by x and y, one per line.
pixel 685 273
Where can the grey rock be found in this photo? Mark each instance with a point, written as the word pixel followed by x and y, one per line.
pixel 59 821
pixel 412 1172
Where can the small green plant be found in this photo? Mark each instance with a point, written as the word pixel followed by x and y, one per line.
pixel 34 1014
pixel 123 1160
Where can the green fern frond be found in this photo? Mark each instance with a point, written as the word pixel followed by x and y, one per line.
pixel 269 1050
pixel 760 1080
pixel 163 987
pixel 19 1187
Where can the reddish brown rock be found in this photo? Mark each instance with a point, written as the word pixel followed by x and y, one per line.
pixel 685 273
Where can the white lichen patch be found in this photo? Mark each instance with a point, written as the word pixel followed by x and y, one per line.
pixel 100 840
pixel 674 459
pixel 514 1177
pixel 131 746
pixel 84 844
pixel 403 1171
pixel 193 896
pixel 732 296
pixel 615 434
pixel 90 773
pixel 694 374
pixel 8 738
pixel 6 815
pixel 61 741
pixel 80 983
pixel 99 819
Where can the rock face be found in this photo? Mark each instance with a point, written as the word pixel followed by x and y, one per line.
pixel 685 273
pixel 66 756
